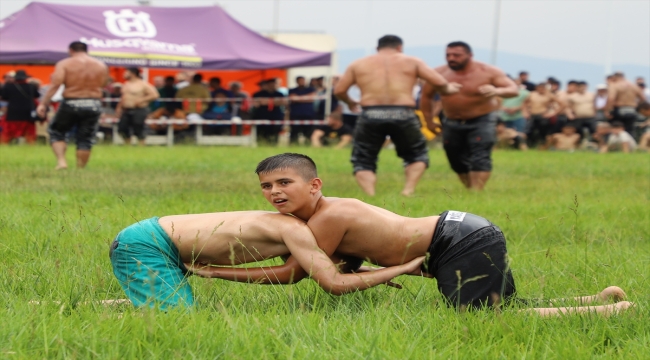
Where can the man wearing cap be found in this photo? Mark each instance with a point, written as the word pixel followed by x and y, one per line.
pixel 20 120
pixel 83 77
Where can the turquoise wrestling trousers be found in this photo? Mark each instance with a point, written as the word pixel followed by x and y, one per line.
pixel 148 267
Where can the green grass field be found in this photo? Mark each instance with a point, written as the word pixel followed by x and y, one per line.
pixel 575 223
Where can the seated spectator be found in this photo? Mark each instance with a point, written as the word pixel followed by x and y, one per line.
pixel 21 107
pixel 510 138
pixel 168 109
pixel 301 108
pixel 241 103
pixel 215 87
pixel 195 94
pixel 219 108
pixel 566 140
pixel 619 139
pixel 335 130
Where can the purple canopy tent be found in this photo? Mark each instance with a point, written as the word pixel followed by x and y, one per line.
pixel 159 37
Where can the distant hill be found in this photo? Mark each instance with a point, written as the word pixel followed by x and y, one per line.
pixel 539 68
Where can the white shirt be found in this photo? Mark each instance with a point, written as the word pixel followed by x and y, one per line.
pixel 616 140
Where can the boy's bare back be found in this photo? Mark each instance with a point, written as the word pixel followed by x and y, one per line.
pixel 354 228
pixel 229 238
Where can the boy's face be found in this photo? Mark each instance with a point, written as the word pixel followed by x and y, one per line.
pixel 287 191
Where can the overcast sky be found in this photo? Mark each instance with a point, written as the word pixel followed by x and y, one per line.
pixel 575 30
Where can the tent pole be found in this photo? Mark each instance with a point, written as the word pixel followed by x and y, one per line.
pixel 328 91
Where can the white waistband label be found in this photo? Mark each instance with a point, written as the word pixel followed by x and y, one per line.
pixel 455 216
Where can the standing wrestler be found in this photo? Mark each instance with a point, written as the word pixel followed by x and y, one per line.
pixel 542 106
pixel 468 131
pixel 622 99
pixel 83 78
pixel 386 81
pixel 133 108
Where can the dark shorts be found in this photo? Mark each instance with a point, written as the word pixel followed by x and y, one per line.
pixel 82 113
pixel 400 123
pixel 468 258
pixel 468 143
pixel 132 119
pixel 627 115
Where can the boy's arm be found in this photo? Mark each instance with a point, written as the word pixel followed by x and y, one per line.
pixel 288 273
pixel 329 227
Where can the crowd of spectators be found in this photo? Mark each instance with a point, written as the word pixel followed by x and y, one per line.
pixel 544 115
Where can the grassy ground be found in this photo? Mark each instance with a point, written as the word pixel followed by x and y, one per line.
pixel 575 224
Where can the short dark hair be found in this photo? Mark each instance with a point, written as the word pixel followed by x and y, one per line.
pixel 215 79
pixel 582 82
pixel 644 106
pixel 197 78
pixel 462 44
pixel 300 77
pixel 619 74
pixel 389 41
pixel 303 164
pixel 617 124
pixel 523 73
pixel 170 79
pixel 134 70
pixel 572 82
pixel 78 46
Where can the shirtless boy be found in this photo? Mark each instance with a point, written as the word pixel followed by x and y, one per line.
pixel 622 99
pixel 133 107
pixel 83 78
pixel 542 106
pixel 466 253
pixel 150 258
pixel 567 140
pixel 510 138
pixel 386 81
pixel 470 118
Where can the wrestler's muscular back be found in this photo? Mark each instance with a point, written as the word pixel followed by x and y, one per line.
pixel 626 93
pixel 386 79
pixel 469 102
pixel 84 77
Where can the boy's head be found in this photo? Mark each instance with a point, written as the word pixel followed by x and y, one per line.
pixel 568 130
pixel 501 126
pixel 289 181
pixel 644 109
pixel 617 127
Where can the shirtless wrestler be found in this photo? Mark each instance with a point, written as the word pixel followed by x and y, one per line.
pixel 133 107
pixel 468 130
pixel 542 105
pixel 151 257
pixel 581 109
pixel 83 78
pixel 386 81
pixel 465 253
pixel 622 100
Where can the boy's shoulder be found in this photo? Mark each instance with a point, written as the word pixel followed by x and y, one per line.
pixel 336 208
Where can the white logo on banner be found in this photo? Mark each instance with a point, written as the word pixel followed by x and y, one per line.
pixel 129 24
pixel 455 216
